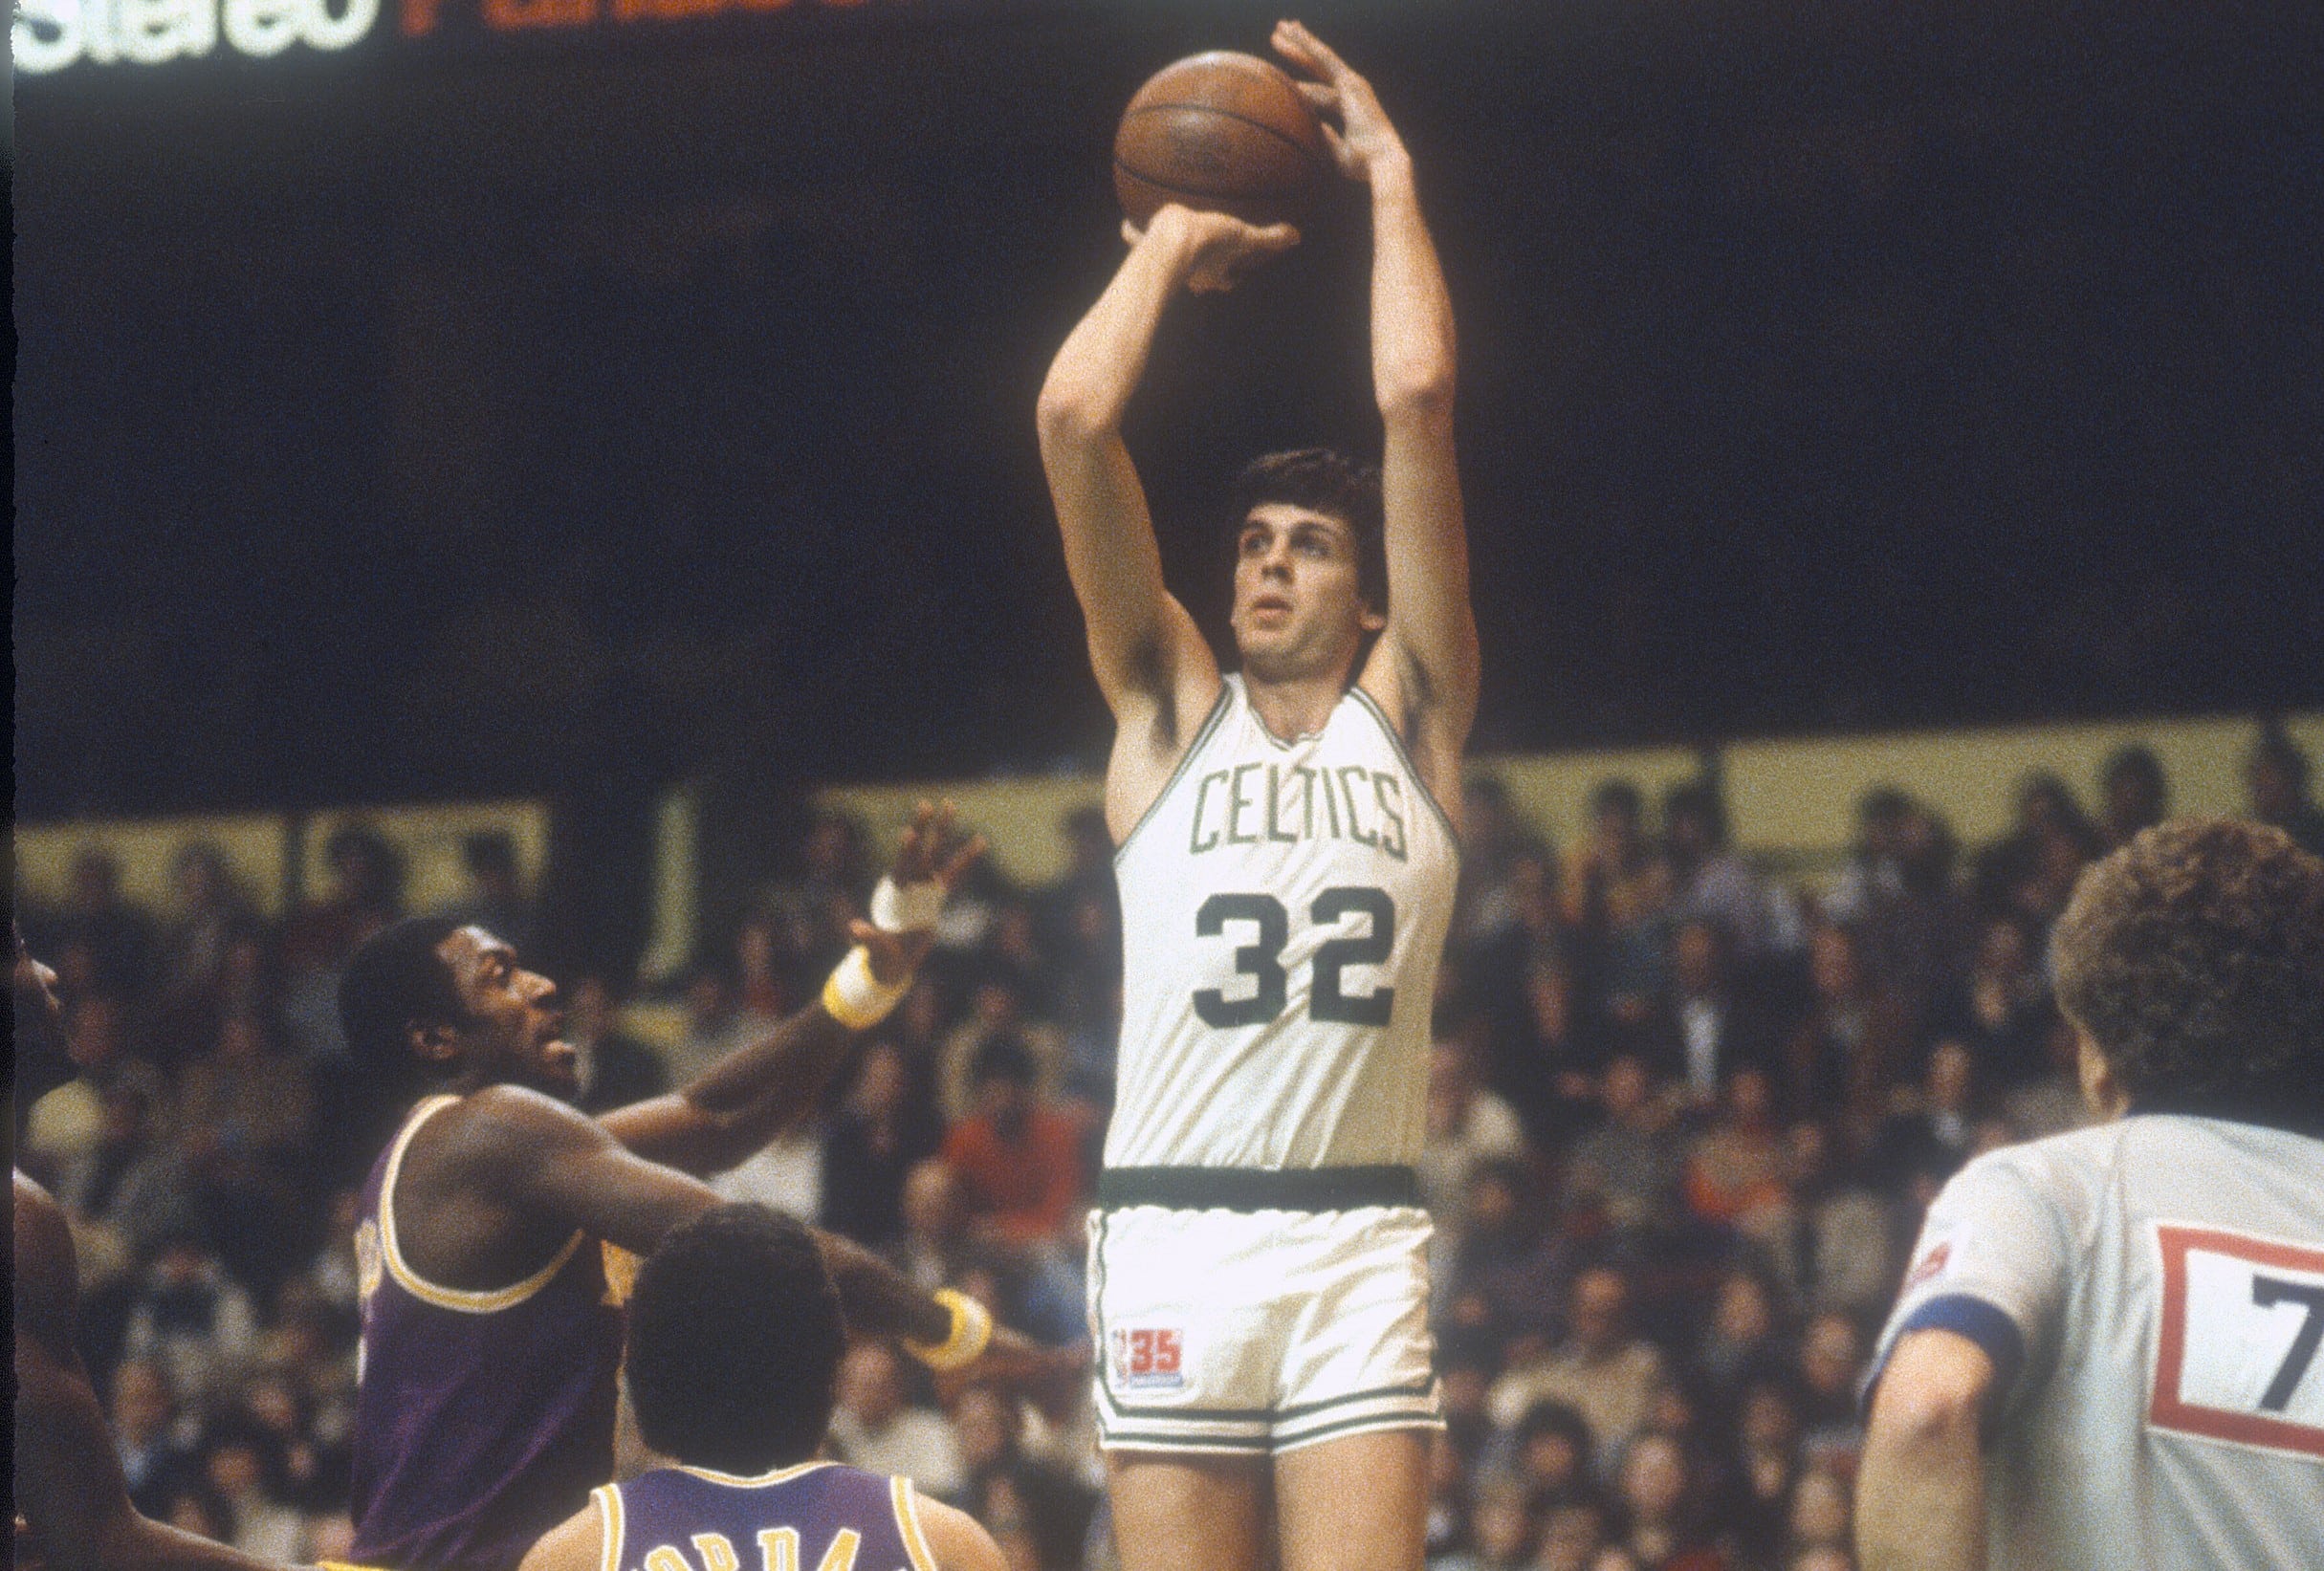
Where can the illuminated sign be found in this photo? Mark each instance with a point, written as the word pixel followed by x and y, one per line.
pixel 50 35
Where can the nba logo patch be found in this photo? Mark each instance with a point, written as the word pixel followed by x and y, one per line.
pixel 1150 1359
pixel 1932 1265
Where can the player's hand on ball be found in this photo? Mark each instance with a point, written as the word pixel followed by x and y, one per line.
pixel 1363 140
pixel 1217 249
pixel 932 851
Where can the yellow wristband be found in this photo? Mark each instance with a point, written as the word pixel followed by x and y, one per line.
pixel 856 998
pixel 971 1330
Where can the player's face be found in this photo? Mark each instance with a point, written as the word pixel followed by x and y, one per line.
pixel 514 1017
pixel 1297 607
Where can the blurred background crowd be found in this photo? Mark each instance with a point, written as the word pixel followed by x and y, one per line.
pixel 1684 1119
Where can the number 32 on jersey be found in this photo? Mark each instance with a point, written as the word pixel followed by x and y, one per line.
pixel 2236 1357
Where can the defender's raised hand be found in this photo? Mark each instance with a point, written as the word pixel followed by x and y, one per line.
pixel 930 864
pixel 1362 141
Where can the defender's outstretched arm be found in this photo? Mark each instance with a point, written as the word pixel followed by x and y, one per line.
pixel 1425 667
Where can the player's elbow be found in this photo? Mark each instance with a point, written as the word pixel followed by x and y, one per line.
pixel 1922 1407
pixel 1070 415
pixel 1418 392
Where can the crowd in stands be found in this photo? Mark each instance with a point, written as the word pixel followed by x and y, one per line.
pixel 1684 1119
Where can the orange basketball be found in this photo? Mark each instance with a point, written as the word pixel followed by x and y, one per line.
pixel 1221 131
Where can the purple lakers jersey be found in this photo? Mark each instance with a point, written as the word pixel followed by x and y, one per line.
pixel 482 1419
pixel 815 1517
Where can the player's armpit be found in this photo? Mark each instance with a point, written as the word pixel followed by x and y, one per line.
pixel 575 1544
pixel 955 1539
pixel 1921 1503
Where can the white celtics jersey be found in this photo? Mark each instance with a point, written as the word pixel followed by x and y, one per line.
pixel 2156 1287
pixel 1283 908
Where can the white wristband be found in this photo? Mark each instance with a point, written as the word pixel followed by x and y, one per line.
pixel 901 908
pixel 856 998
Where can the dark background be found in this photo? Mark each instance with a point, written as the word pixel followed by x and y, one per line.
pixel 567 416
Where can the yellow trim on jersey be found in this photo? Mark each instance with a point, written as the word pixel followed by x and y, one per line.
pixel 466 1300
pixel 908 1524
pixel 608 1498
pixel 780 1476
pixel 343 1565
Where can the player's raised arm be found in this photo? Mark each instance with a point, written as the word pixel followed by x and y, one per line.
pixel 742 1102
pixel 1156 672
pixel 1424 670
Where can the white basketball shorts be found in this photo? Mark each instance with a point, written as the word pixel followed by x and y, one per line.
pixel 1256 1332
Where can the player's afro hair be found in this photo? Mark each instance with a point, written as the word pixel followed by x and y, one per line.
pixel 734 1341
pixel 396 979
pixel 2194 958
pixel 1324 481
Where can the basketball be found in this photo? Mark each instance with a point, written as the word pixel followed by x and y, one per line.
pixel 1224 132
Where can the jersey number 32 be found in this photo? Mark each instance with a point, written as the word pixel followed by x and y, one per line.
pixel 1263 959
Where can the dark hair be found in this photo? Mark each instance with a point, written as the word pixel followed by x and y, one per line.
pixel 1324 481
pixel 1002 1058
pixel 2276 748
pixel 2193 957
pixel 734 1341
pixel 2135 763
pixel 1697 800
pixel 396 979
pixel 1617 796
pixel 1559 1418
pixel 489 851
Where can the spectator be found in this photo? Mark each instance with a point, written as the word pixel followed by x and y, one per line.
pixel 1467 1127
pixel 1918 936
pixel 1053 1506
pixel 2276 776
pixel 2022 871
pixel 67 1125
pixel 1855 1038
pixel 1819 1515
pixel 714 1029
pixel 616 1069
pixel 1074 917
pixel 1736 1168
pixel 1657 1495
pixel 235 1460
pixel 996 1009
pixel 2134 793
pixel 1710 883
pixel 496 899
pixel 1602 1371
pixel 1018 1161
pixel 834 883
pixel 366 895
pixel 1493 840
pixel 1502 1531
pixel 934 1247
pixel 875 1428
pixel 1875 870
pixel 1552 1451
pixel 1767 1454
pixel 1707 1027
pixel 2002 1010
pixel 154 1462
pixel 1616 890
pixel 1922 1146
pixel 1508 1270
pixel 1630 1165
pixel 1574 1534
pixel 881 1133
pixel 118 937
pixel 192 1321
pixel 1740 1339
pixel 1830 1363
pixel 134 1187
pixel 212 916
pixel 243 1095
pixel 1842 1258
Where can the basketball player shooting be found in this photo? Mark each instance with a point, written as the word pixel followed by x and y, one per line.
pixel 1287 865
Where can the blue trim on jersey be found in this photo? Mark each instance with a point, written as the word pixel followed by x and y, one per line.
pixel 1963 1314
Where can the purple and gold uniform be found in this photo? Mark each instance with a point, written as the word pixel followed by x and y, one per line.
pixel 813 1517
pixel 482 1419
